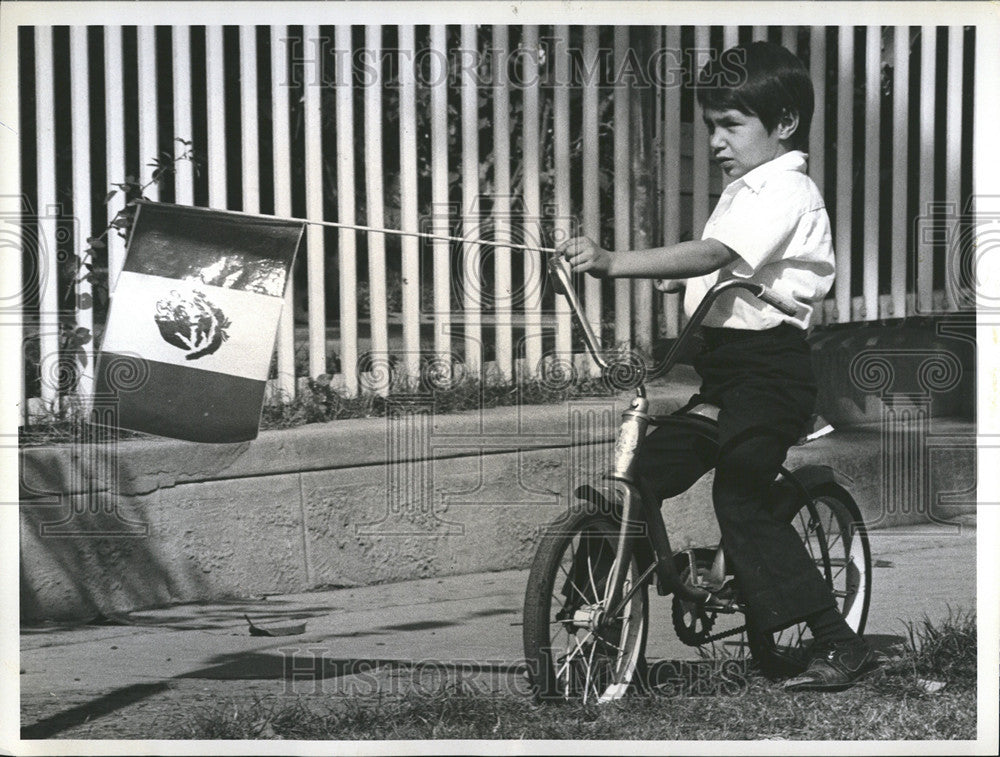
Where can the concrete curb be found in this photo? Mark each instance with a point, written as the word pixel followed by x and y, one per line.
pixel 145 524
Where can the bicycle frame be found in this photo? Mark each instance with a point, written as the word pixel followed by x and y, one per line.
pixel 635 422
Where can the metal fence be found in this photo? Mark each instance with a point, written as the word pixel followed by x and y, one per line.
pixel 522 134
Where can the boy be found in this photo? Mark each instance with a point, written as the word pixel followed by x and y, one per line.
pixel 770 225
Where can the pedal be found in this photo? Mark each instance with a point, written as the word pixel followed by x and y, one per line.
pixel 725 599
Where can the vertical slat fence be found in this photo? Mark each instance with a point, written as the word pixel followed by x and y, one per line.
pixel 80 106
pixel 374 195
pixel 114 126
pixel 315 236
pixel 623 193
pixel 842 238
pixel 502 291
pixel 900 167
pixel 563 208
pixel 347 247
pixel 528 163
pixel 183 122
pixel 215 158
pixel 148 121
pixel 48 323
pixel 872 187
pixel 591 165
pixel 281 146
pixel 440 208
pixel 410 249
pixel 672 168
pixel 250 151
pixel 531 193
pixel 925 195
pixel 953 158
pixel 471 269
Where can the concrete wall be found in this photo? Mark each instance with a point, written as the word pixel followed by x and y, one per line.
pixel 146 523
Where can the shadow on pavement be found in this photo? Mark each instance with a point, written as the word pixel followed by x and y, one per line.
pixel 103 705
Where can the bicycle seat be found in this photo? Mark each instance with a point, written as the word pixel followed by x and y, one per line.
pixel 818 426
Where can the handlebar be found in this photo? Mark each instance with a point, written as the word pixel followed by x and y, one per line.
pixel 562 283
pixel 786 305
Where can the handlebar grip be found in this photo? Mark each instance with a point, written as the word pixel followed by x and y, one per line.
pixel 786 305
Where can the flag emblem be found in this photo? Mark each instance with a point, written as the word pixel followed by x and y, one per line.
pixel 196 307
pixel 194 325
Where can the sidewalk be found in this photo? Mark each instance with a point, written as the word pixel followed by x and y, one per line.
pixel 107 680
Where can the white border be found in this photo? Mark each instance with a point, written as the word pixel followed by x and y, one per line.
pixel 986 16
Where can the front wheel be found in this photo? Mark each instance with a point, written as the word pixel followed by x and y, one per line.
pixel 831 527
pixel 573 648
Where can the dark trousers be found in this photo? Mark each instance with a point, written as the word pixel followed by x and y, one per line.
pixel 763 384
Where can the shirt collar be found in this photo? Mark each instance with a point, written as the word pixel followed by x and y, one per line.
pixel 795 160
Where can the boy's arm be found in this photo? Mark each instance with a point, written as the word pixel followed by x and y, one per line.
pixel 677 261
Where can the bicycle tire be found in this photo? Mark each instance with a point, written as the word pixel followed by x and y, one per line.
pixel 831 516
pixel 573 653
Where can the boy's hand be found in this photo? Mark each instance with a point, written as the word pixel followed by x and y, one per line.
pixel 583 255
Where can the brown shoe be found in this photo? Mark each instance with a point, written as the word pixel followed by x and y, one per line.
pixel 835 667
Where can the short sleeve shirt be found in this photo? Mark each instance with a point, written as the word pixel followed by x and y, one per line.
pixel 775 220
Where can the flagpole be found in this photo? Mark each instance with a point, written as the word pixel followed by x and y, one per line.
pixel 357 227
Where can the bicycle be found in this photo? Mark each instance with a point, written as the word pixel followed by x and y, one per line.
pixel 586 611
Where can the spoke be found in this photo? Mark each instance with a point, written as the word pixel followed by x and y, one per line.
pixel 610 643
pixel 569 654
pixel 577 589
pixel 833 542
pixel 812 552
pixel 593 583
pixel 563 567
pixel 801 631
pixel 608 588
pixel 806 539
pixel 586 680
pixel 555 598
pixel 804 533
pixel 566 669
pixel 576 538
pixel 604 543
pixel 837 538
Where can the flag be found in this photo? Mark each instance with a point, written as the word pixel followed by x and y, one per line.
pixel 193 320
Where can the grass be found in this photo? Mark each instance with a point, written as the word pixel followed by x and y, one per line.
pixel 893 703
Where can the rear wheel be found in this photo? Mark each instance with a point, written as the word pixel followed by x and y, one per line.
pixel 832 529
pixel 574 648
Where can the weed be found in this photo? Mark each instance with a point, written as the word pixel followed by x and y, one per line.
pixel 934 656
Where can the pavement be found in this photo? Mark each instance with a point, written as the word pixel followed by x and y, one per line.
pixel 96 679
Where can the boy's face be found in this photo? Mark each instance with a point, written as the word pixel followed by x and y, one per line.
pixel 739 141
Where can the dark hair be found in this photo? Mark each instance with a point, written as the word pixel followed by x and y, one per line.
pixel 761 79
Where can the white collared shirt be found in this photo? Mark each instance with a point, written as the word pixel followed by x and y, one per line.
pixel 775 220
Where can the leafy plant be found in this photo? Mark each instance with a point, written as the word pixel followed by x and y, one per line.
pixel 72 359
